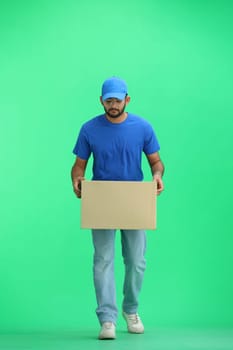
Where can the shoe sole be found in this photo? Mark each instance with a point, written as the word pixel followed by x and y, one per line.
pixel 107 338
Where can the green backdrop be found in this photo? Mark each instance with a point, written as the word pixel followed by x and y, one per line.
pixel 176 57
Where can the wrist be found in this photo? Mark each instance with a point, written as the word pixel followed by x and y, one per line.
pixel 157 174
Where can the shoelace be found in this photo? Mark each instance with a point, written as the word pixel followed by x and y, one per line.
pixel 108 325
pixel 133 318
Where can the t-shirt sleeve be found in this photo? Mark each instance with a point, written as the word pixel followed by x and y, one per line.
pixel 151 144
pixel 82 146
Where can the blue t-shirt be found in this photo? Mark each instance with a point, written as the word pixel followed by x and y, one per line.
pixel 116 148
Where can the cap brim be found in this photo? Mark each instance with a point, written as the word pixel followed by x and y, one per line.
pixel 118 95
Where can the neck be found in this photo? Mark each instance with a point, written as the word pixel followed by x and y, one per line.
pixel 118 120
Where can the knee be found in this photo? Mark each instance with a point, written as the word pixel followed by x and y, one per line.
pixel 135 262
pixel 102 262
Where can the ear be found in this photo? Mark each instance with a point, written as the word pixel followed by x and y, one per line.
pixel 101 100
pixel 127 100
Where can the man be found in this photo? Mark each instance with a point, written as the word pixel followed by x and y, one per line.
pixel 117 140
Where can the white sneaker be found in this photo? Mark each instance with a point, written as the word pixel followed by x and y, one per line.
pixel 134 323
pixel 107 331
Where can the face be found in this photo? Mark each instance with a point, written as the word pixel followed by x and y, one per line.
pixel 113 107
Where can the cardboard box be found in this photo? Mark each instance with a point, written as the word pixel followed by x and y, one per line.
pixel 118 205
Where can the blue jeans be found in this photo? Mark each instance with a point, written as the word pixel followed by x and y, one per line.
pixel 133 252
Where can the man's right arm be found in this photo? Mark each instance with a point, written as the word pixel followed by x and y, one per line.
pixel 77 175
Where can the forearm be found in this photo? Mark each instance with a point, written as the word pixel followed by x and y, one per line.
pixel 157 168
pixel 77 172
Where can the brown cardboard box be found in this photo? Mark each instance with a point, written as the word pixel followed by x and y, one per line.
pixel 118 205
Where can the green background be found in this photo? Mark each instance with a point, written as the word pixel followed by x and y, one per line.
pixel 176 57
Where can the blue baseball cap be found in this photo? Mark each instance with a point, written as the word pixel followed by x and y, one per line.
pixel 114 88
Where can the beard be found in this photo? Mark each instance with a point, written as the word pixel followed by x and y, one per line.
pixel 117 112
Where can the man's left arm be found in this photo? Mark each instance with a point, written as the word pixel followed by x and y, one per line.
pixel 157 170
